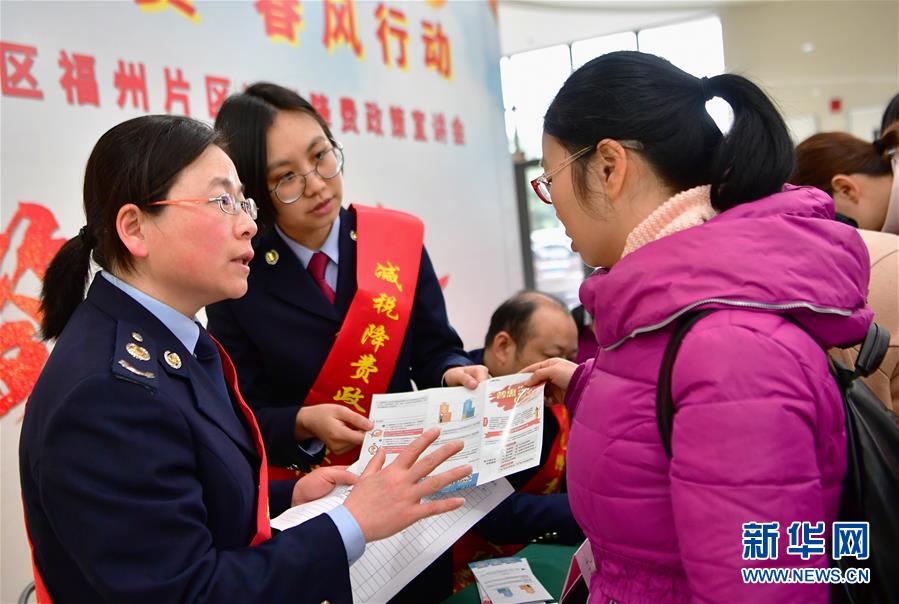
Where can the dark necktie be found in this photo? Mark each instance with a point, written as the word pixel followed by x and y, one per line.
pixel 316 268
pixel 208 355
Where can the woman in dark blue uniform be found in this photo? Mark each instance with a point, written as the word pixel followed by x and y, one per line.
pixel 299 337
pixel 291 164
pixel 143 472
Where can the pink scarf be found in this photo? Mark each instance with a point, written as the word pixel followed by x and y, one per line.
pixel 686 209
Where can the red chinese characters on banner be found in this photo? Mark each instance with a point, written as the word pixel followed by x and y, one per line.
pixel 185 7
pixel 15 71
pixel 340 26
pixel 319 102
pixel 216 93
pixel 283 19
pixel 79 80
pixel 22 355
pixel 418 123
pixel 458 132
pixel 176 90
pixel 397 122
pixel 373 116
pixel 439 124
pixel 133 82
pixel 438 55
pixel 348 115
pixel 392 25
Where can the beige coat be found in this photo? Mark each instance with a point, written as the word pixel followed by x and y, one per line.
pixel 883 298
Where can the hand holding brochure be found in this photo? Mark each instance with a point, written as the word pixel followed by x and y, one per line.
pixel 501 423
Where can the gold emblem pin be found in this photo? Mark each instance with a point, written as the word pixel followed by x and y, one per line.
pixel 138 352
pixel 172 359
pixel 136 371
pixel 353 235
pixel 271 257
pixel 137 337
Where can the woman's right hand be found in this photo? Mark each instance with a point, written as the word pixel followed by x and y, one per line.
pixel 386 500
pixel 339 427
pixel 556 372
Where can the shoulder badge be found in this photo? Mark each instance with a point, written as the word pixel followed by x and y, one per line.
pixel 134 357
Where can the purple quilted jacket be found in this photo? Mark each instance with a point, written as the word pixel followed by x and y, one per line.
pixel 759 432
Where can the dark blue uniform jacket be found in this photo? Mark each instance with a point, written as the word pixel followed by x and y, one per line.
pixel 280 333
pixel 140 484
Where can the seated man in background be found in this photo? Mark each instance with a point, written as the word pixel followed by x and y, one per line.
pixel 527 328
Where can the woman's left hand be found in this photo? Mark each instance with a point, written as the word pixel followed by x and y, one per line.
pixel 319 483
pixel 469 376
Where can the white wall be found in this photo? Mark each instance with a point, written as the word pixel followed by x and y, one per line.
pixel 854 56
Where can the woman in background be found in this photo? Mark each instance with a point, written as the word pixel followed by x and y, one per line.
pixel 858 175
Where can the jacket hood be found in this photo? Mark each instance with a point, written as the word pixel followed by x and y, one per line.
pixel 783 254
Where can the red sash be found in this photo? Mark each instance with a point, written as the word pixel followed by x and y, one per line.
pixel 364 354
pixel 263 529
pixel 548 480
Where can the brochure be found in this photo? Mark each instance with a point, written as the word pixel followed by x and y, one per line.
pixel 508 581
pixel 500 422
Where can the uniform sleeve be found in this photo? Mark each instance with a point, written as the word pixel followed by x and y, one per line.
pixel 118 482
pixel 435 345
pixel 523 517
pixel 744 450
pixel 276 422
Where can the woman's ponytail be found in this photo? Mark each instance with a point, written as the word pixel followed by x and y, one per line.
pixel 629 95
pixel 64 283
pixel 755 157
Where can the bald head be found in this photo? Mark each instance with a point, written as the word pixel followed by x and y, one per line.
pixel 528 328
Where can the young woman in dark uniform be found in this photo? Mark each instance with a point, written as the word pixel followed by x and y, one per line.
pixel 343 303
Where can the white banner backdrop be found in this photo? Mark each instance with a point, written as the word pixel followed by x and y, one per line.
pixel 411 89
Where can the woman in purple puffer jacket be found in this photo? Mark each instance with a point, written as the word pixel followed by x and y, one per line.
pixel 682 217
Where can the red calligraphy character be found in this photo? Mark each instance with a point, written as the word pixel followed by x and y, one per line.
pixel 437 49
pixel 418 122
pixel 392 24
pixel 397 122
pixel 133 82
pixel 17 61
pixel 216 93
pixel 176 91
pixel 78 80
pixel 185 7
pixel 282 18
pixel 458 132
pixel 348 115
pixel 340 26
pixel 36 225
pixel 320 103
pixel 373 116
pixel 439 124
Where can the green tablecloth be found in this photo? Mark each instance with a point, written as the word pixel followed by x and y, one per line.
pixel 549 563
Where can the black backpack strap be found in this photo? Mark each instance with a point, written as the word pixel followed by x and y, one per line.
pixel 873 349
pixel 664 404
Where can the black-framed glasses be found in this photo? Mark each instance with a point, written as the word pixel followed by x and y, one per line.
pixel 328 164
pixel 543 183
pixel 226 203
